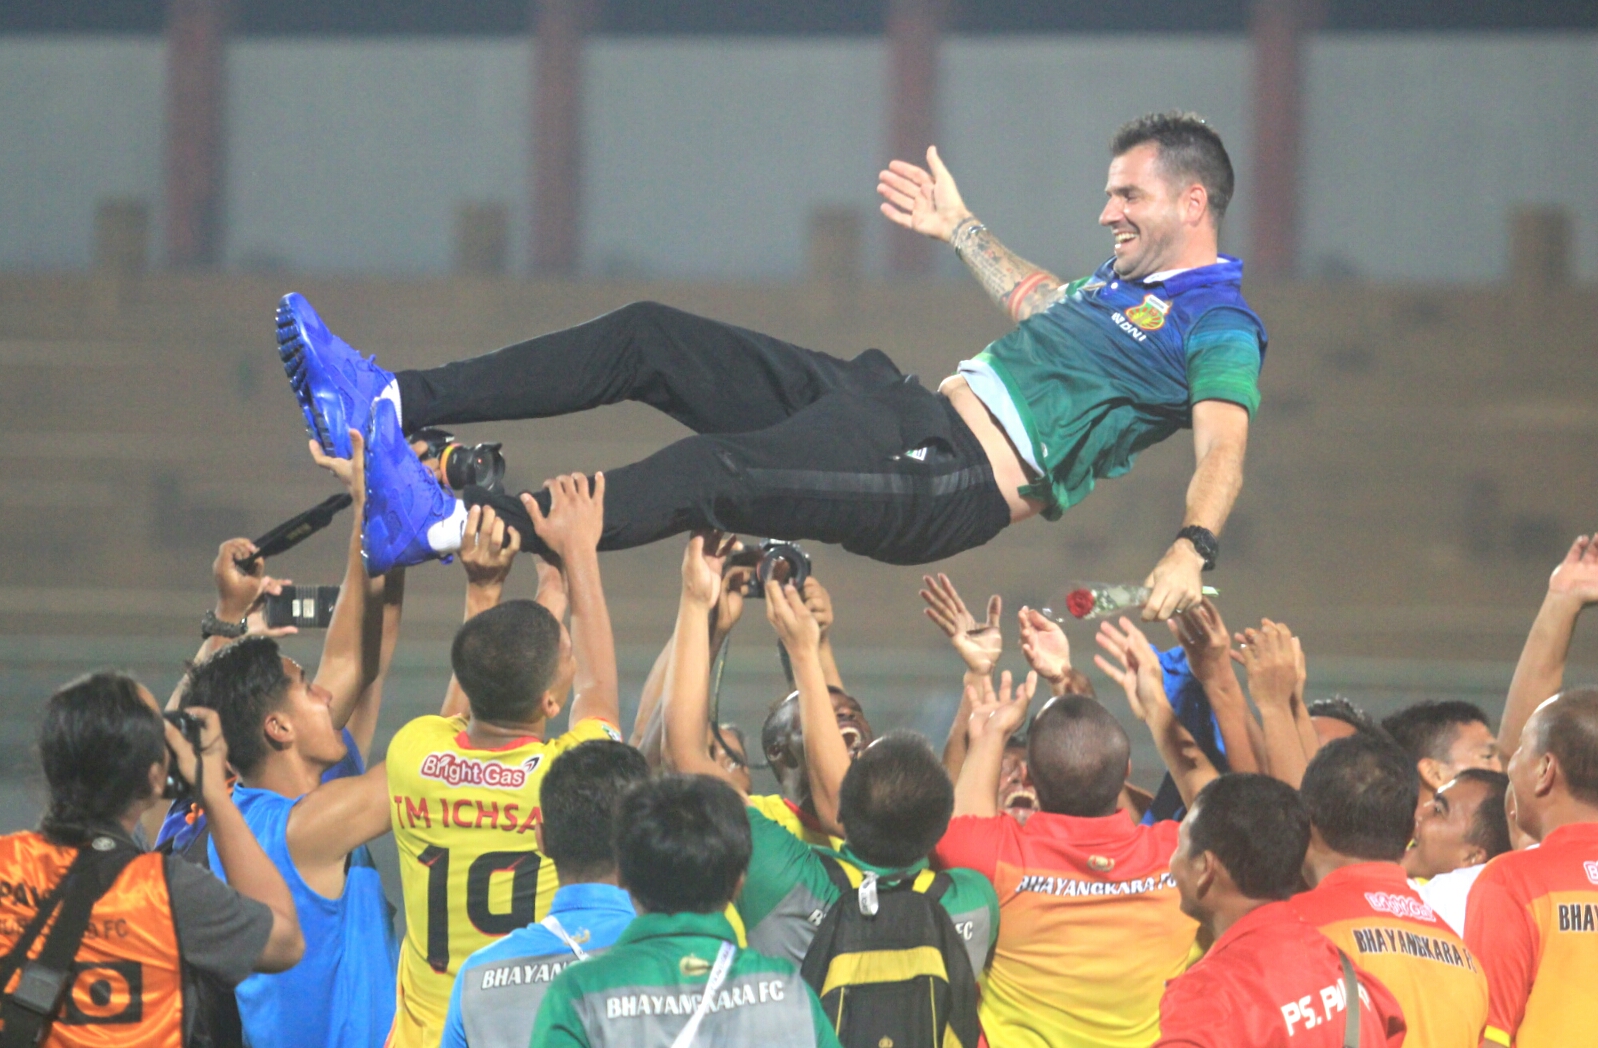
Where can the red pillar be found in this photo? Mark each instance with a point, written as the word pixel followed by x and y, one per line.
pixel 196 96
pixel 557 134
pixel 915 29
pixel 1279 30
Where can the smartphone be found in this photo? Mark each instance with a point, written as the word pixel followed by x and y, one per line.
pixel 308 607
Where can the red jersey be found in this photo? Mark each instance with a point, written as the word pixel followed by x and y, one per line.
pixel 1532 919
pixel 1371 913
pixel 1090 927
pixel 1273 981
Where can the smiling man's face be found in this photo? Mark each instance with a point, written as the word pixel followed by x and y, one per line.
pixel 1143 212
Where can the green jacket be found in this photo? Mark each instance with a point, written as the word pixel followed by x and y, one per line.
pixel 642 991
pixel 788 892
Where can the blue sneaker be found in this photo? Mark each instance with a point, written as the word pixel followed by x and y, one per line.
pixel 410 518
pixel 335 385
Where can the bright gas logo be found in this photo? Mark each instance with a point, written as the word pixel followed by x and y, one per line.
pixel 454 770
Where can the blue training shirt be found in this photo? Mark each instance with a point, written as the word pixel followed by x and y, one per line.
pixel 341 994
pixel 499 988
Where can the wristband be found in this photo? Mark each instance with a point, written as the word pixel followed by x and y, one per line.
pixel 1204 541
pixel 964 231
pixel 212 626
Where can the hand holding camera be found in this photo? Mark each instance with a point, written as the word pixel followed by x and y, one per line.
pixel 197 754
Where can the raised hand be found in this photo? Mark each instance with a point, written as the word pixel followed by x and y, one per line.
pixel 1576 577
pixel 1202 634
pixel 1045 646
pixel 796 627
pixel 1136 667
pixel 213 752
pixel 819 601
pixel 1272 657
pixel 702 562
pixel 997 713
pixel 576 514
pixel 351 472
pixel 923 199
pixel 730 604
pixel 488 548
pixel 980 646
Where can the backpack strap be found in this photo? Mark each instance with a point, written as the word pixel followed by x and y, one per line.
pixel 47 978
pixel 1351 1024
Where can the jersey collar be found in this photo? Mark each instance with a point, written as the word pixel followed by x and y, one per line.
pixel 464 741
pixel 589 897
pixel 1226 270
pixel 1388 875
pixel 673 925
pixel 1272 913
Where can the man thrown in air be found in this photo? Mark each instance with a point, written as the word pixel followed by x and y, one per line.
pixel 797 444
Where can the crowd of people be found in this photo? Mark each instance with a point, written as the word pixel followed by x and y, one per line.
pixel 1304 875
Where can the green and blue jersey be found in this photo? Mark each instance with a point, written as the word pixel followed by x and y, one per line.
pixel 1116 366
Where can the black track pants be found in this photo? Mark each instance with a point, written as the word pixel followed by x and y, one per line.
pixel 790 443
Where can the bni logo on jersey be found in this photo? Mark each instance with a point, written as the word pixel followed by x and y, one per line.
pixel 1592 871
pixel 454 770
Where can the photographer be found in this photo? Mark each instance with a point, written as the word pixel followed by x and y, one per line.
pixel 106 754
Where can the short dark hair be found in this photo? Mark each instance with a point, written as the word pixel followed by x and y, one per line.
pixel 1361 794
pixel 681 843
pixel 505 658
pixel 578 799
pixel 97 743
pixel 1259 830
pixel 1340 707
pixel 895 801
pixel 1189 148
pixel 1428 729
pixel 1489 828
pixel 1077 755
pixel 243 683
pixel 1568 729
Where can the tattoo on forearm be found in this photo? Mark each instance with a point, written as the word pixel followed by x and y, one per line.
pixel 1010 280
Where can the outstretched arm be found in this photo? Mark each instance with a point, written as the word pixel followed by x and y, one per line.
pixel 927 201
pixel 572 529
pixel 993 719
pixel 346 667
pixel 1220 439
pixel 826 754
pixel 1137 669
pixel 1271 655
pixel 686 703
pixel 385 601
pixel 1203 636
pixel 488 549
pixel 1541 669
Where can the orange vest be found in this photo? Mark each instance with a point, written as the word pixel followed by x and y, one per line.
pixel 127 988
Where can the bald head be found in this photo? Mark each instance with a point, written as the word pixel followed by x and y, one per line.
pixel 1077 756
pixel 1566 728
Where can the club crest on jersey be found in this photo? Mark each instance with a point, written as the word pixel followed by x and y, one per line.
pixel 1150 315
pixel 1100 863
pixel 454 770
pixel 1592 871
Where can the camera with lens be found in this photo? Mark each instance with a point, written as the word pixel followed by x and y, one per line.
pixel 462 466
pixel 192 729
pixel 772 559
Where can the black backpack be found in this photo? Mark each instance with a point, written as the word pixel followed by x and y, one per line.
pixel 888 965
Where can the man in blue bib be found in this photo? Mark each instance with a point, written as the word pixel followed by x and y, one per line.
pixel 797 444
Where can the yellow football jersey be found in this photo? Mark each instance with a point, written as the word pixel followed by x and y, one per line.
pixel 469 862
pixel 776 807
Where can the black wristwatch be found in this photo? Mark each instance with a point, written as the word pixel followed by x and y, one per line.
pixel 211 626
pixel 1204 541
